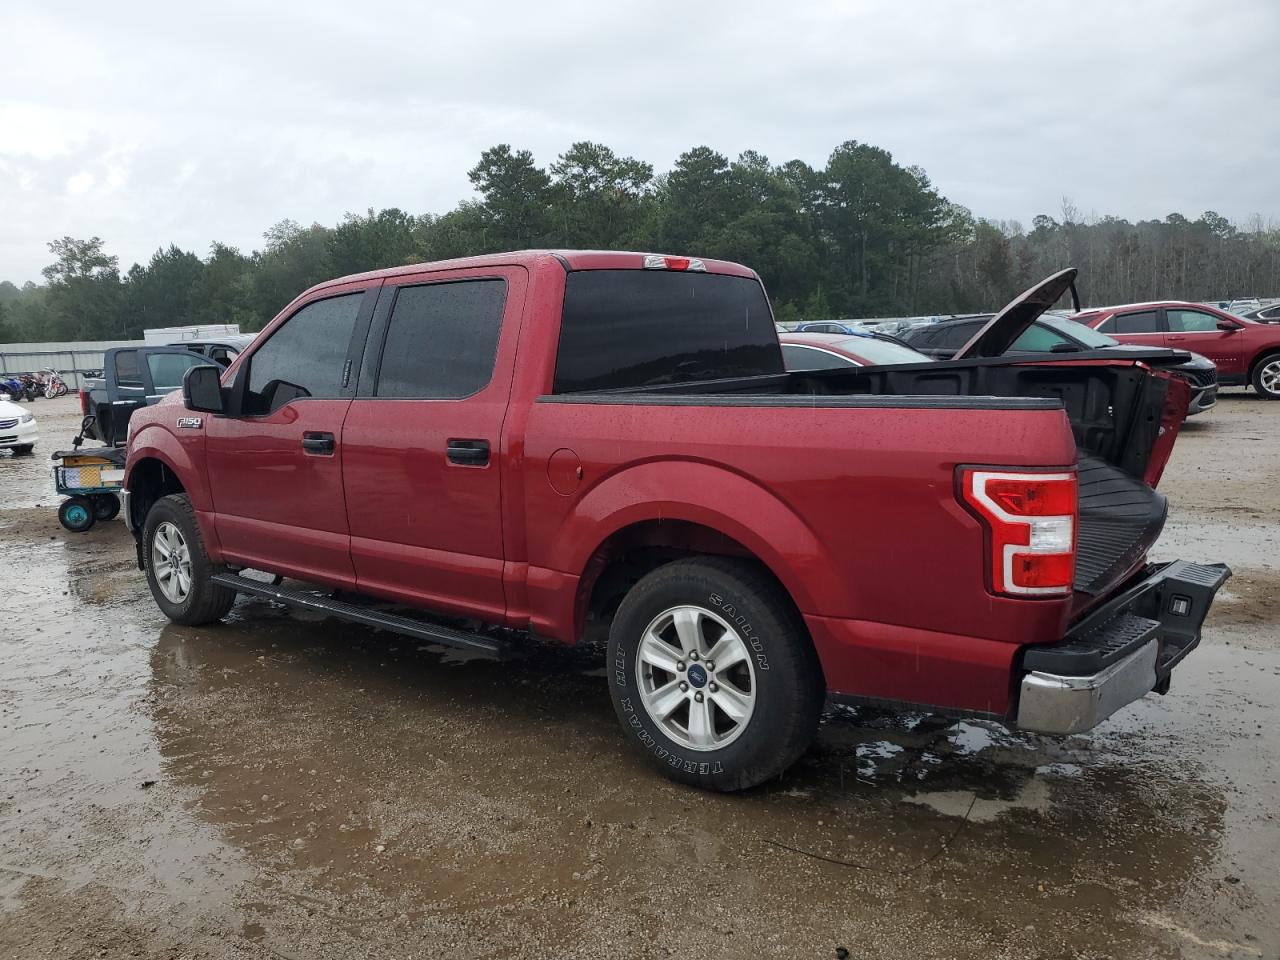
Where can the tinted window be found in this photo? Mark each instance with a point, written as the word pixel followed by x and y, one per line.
pixel 922 336
pixel 633 328
pixel 1038 339
pixel 1143 322
pixel 127 372
pixel 1076 332
pixel 168 369
pixel 442 339
pixel 1191 321
pixel 955 335
pixel 807 358
pixel 1270 313
pixel 304 357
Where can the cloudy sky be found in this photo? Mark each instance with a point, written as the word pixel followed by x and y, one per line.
pixel 153 123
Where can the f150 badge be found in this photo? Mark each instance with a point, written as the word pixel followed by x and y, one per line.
pixel 190 423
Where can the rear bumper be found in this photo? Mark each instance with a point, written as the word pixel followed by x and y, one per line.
pixel 1120 652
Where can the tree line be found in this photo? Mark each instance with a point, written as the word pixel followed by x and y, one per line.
pixel 862 236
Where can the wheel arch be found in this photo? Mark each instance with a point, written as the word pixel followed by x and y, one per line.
pixel 1264 354
pixel 653 513
pixel 158 465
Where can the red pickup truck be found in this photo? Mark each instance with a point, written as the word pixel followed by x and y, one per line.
pixel 566 444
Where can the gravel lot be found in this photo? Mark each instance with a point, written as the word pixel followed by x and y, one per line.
pixel 289 786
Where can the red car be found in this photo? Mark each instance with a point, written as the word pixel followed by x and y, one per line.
pixel 567 445
pixel 1245 351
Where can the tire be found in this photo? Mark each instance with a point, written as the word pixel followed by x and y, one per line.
pixel 182 587
pixel 106 506
pixel 773 681
pixel 24 450
pixel 76 514
pixel 1266 377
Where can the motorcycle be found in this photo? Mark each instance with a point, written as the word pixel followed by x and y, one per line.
pixel 14 388
pixel 51 384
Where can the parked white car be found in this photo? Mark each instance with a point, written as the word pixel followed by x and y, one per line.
pixel 18 430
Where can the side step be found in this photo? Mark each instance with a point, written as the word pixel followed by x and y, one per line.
pixel 369 617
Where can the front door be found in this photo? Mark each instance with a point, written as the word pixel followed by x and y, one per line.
pixel 422 441
pixel 1197 330
pixel 275 461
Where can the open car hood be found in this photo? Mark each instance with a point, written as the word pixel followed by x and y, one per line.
pixel 1009 324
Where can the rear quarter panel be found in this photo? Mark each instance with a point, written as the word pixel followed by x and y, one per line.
pixel 853 509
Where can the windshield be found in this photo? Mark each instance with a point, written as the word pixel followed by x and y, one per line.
pixel 879 352
pixel 1079 332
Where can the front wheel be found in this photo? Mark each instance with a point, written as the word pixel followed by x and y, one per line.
pixel 1266 377
pixel 23 450
pixel 713 675
pixel 179 570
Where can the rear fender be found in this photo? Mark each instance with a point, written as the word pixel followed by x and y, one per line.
pixel 709 495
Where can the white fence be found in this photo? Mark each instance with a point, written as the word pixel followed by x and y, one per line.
pixel 71 360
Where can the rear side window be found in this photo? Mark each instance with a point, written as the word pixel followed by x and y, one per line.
pixel 641 328
pixel 127 372
pixel 442 340
pixel 304 357
pixel 1143 322
pixel 955 335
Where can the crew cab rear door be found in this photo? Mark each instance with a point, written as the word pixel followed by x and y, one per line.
pixel 423 441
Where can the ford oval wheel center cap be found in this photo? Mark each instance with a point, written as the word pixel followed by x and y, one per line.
pixel 697 676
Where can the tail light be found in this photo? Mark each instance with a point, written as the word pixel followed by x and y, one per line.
pixel 84 402
pixel 1031 519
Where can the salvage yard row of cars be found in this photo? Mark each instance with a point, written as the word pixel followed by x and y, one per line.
pixel 568 446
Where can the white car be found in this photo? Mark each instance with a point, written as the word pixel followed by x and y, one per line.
pixel 18 430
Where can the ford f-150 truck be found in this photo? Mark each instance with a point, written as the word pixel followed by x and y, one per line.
pixel 566 445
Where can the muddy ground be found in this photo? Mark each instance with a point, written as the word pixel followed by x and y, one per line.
pixel 289 786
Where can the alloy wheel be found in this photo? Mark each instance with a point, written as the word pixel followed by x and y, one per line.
pixel 696 677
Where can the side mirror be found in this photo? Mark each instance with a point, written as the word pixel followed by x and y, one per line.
pixel 202 389
pixel 1227 325
pixel 1064 347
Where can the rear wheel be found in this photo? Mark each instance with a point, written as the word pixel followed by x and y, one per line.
pixel 179 570
pixel 712 674
pixel 76 514
pixel 1266 377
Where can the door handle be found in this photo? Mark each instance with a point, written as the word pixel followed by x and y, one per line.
pixel 1177 338
pixel 471 453
pixel 318 444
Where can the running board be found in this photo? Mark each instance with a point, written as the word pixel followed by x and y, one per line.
pixel 369 617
